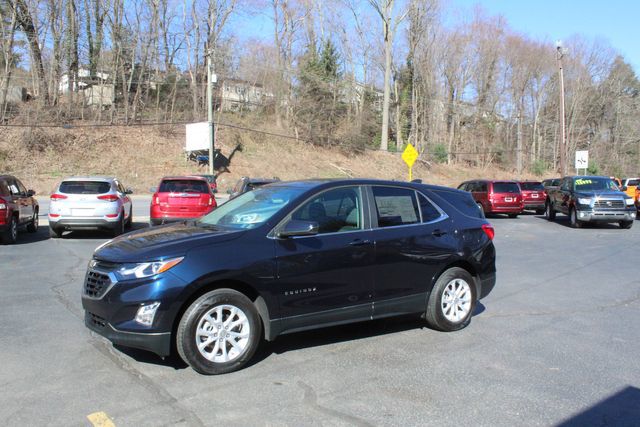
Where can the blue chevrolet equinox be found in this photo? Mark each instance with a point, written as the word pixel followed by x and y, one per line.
pixel 288 257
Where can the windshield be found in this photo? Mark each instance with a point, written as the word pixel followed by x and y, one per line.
pixel 249 210
pixel 594 184
pixel 531 186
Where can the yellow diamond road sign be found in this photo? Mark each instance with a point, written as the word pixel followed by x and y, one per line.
pixel 410 155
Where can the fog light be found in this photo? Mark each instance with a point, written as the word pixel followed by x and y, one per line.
pixel 633 214
pixel 146 313
pixel 581 214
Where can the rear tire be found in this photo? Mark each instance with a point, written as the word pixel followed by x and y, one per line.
pixel 118 228
pixel 10 235
pixel 55 233
pixel 130 219
pixel 452 300
pixel 539 211
pixel 626 224
pixel 573 219
pixel 32 227
pixel 513 215
pixel 219 332
pixel 549 213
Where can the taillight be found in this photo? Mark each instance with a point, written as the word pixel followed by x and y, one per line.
pixel 57 196
pixel 488 230
pixel 109 197
pixel 210 200
pixel 155 199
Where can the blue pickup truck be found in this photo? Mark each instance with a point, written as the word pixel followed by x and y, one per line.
pixel 595 199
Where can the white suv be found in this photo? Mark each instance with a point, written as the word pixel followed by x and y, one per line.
pixel 90 203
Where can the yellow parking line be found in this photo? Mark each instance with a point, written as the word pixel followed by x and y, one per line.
pixel 100 419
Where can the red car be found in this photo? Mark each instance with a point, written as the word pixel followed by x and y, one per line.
pixel 533 195
pixel 179 198
pixel 502 197
pixel 18 208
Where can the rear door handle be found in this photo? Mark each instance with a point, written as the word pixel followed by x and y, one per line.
pixel 438 232
pixel 360 242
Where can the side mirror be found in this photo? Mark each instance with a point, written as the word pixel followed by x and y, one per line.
pixel 31 193
pixel 128 191
pixel 153 189
pixel 298 228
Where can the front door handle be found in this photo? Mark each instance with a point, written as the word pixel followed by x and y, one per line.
pixel 360 242
pixel 438 232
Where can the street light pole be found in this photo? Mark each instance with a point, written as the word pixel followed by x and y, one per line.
pixel 211 77
pixel 563 151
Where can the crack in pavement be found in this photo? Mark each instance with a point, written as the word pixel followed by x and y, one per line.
pixel 311 399
pixel 105 348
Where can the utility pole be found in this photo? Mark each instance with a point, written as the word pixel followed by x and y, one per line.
pixel 211 79
pixel 563 140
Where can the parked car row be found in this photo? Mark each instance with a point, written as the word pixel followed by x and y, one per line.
pixel 585 199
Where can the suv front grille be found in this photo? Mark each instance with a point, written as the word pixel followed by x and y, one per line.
pixel 96 284
pixel 609 204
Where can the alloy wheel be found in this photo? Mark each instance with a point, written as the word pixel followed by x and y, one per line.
pixel 456 300
pixel 223 333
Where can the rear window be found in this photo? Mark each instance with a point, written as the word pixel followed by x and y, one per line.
pixel 463 202
pixel 85 187
pixel 531 186
pixel 183 186
pixel 633 182
pixel 505 187
pixel 256 184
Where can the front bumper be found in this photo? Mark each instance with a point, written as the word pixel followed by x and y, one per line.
pixel 158 342
pixel 111 311
pixel 594 215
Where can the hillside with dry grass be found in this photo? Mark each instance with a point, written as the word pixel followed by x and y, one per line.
pixel 140 156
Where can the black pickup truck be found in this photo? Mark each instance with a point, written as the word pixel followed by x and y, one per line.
pixel 590 199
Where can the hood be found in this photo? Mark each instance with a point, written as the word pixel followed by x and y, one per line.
pixel 161 242
pixel 600 193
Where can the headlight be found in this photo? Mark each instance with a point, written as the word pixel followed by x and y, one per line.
pixel 584 200
pixel 145 269
pixel 628 202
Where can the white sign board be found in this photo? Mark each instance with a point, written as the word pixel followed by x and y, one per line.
pixel 582 159
pixel 197 136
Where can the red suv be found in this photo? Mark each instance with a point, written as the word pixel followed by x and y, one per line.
pixel 533 195
pixel 496 196
pixel 181 197
pixel 17 207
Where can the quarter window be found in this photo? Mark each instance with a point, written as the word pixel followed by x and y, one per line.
pixel 396 206
pixel 335 211
pixel 429 212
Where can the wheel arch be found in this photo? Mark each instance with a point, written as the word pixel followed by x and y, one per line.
pixel 236 285
pixel 465 265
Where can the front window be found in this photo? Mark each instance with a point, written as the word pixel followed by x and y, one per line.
pixel 335 210
pixel 594 184
pixel 251 209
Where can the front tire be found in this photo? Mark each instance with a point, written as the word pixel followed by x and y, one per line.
pixel 452 300
pixel 573 219
pixel 219 332
pixel 626 224
pixel 549 213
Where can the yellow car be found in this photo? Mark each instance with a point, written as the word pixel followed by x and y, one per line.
pixel 631 184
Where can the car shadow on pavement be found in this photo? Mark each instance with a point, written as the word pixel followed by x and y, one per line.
pixel 24 237
pixel 302 340
pixel 619 409
pixel 563 220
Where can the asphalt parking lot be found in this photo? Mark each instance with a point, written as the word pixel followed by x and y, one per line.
pixel 556 342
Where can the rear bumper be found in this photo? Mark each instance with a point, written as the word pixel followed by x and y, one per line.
pixel 607 216
pixel 83 223
pixel 534 204
pixel 167 220
pixel 506 209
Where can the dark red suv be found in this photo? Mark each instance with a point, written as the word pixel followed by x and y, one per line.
pixel 18 208
pixel 181 197
pixel 533 195
pixel 496 196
